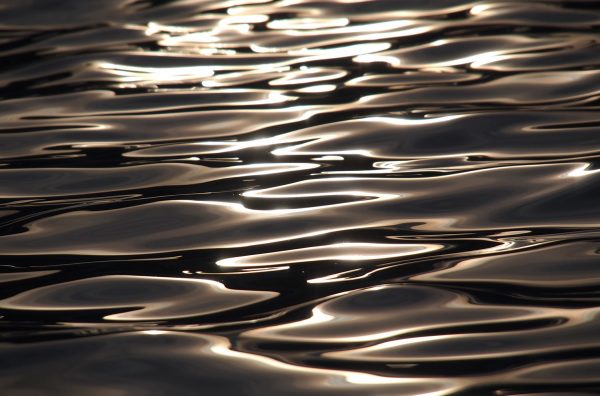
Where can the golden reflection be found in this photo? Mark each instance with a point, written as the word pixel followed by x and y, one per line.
pixel 482 8
pixel 344 319
pixel 488 345
pixel 222 347
pixel 307 23
pixel 379 195
pixel 142 298
pixel 351 251
pixel 328 158
pixel 245 20
pixel 154 332
pixel 156 75
pixel 313 137
pixel 317 88
pixel 315 54
pixel 372 58
pixel 582 171
pixel 245 77
pixel 307 75
pixel 154 28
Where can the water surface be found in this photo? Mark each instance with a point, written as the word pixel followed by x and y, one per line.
pixel 299 197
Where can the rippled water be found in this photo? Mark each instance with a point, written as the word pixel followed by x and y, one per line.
pixel 299 197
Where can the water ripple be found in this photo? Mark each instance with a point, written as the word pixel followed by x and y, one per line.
pixel 346 197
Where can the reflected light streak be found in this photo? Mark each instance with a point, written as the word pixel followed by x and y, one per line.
pixel 222 347
pixel 307 23
pixel 317 88
pixel 156 74
pixel 317 318
pixel 582 171
pixel 341 251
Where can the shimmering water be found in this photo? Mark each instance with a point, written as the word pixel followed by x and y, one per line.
pixel 299 197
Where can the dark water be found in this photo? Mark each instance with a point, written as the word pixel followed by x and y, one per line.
pixel 299 197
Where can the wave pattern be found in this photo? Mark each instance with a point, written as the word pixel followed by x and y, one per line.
pixel 345 197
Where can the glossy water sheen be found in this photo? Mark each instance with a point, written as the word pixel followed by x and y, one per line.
pixel 299 197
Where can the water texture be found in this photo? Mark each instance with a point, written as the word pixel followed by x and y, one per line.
pixel 299 197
